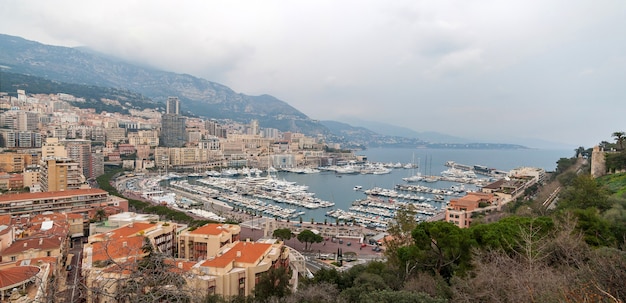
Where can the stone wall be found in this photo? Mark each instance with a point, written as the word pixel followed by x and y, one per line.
pixel 598 162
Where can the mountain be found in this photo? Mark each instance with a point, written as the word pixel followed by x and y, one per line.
pixel 393 130
pixel 198 96
pixel 85 73
pixel 363 137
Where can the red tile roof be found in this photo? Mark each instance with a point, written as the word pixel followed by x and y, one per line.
pixel 5 219
pixel 117 248
pixel 16 276
pixel 128 230
pixel 250 252
pixel 179 266
pixel 214 229
pixel 40 243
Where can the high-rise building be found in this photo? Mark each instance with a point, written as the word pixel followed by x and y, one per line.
pixel 172 106
pixel 173 125
pixel 173 130
pixel 254 127
pixel 96 164
pixel 79 150
pixel 53 148
pixel 59 174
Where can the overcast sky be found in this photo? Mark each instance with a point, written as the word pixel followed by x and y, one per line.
pixel 489 70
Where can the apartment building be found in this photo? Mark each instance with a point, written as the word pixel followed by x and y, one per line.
pixel 205 241
pixel 237 267
pixel 57 174
pixel 460 211
pixel 69 201
pixel 114 254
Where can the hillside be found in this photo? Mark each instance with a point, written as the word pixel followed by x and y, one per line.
pixel 200 96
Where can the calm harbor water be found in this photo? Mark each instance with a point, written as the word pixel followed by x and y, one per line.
pixel 340 188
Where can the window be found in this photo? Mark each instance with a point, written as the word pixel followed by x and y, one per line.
pixel 13 258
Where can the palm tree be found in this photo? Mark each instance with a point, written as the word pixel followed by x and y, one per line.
pixel 579 151
pixel 100 214
pixel 619 138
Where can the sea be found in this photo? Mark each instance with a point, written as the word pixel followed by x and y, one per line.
pixel 340 188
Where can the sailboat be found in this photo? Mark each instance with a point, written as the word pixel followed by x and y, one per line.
pixel 416 177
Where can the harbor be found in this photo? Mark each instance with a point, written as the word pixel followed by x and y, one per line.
pixel 314 195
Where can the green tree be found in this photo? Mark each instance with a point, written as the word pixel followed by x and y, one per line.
pixel 584 192
pixel 400 231
pixel 579 151
pixel 564 163
pixel 619 139
pixel 100 214
pixel 504 234
pixel 272 284
pixel 308 238
pixel 596 230
pixel 439 246
pixel 282 233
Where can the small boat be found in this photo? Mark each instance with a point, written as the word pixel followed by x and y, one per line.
pixel 358 187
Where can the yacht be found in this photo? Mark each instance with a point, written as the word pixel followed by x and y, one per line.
pixel 415 178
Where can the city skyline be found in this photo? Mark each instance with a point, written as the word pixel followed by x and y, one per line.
pixel 502 72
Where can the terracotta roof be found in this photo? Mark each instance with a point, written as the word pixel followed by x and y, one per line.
pixel 117 249
pixel 41 243
pixel 214 229
pixel 48 228
pixel 250 252
pixel 128 230
pixel 48 217
pixel 16 276
pixel 74 216
pixel 125 267
pixel 5 220
pixel 50 260
pixel 51 194
pixel 180 265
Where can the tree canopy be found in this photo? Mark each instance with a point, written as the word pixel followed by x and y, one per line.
pixel 308 237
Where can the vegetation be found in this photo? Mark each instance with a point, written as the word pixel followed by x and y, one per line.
pixel 573 252
pixel 283 234
pixel 308 238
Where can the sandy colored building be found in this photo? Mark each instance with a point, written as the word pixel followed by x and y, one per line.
pixel 70 201
pixel 45 246
pixel 58 174
pixel 459 211
pixel 206 241
pixel 113 254
pixel 238 266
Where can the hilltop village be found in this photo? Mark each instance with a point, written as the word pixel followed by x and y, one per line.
pixel 61 234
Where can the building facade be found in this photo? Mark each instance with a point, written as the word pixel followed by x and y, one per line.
pixel 69 201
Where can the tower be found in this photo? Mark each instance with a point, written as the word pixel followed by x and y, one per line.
pixel 172 106
pixel 173 125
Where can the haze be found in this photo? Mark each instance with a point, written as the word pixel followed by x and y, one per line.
pixel 491 70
